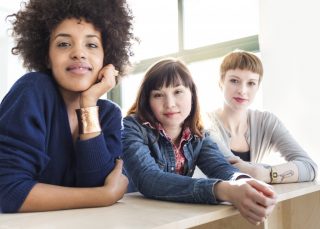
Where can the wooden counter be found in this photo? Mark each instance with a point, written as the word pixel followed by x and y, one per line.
pixel 298 207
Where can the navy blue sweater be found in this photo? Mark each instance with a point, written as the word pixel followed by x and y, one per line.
pixel 36 143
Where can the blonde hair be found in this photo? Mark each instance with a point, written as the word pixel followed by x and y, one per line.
pixel 243 60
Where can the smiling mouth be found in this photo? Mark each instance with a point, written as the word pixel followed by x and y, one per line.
pixel 240 100
pixel 78 68
pixel 171 113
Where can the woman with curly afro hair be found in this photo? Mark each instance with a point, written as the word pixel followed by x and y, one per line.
pixel 59 142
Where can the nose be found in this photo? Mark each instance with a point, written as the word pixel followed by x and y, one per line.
pixel 242 89
pixel 77 53
pixel 170 101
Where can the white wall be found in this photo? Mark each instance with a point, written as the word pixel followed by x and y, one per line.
pixel 10 65
pixel 290 50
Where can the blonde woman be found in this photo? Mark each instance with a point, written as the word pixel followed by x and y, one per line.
pixel 247 136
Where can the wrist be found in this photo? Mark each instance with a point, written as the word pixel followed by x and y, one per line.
pixel 263 174
pixel 221 190
pixel 88 120
pixel 87 101
pixel 103 196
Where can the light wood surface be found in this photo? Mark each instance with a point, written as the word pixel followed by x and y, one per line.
pixel 298 207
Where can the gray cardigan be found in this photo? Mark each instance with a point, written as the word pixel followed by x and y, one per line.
pixel 265 134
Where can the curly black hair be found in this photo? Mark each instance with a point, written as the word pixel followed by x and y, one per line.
pixel 33 24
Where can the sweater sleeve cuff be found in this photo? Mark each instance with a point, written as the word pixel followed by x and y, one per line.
pixel 305 171
pixel 93 155
pixel 237 176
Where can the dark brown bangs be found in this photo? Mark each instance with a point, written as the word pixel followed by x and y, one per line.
pixel 171 76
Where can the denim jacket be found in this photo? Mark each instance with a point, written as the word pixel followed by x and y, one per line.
pixel 149 162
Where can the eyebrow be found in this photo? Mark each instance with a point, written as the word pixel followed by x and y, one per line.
pixel 235 76
pixel 68 35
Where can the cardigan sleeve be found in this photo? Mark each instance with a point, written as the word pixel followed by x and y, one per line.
pixel 22 142
pixel 290 149
pixel 268 134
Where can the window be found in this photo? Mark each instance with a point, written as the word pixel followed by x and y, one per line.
pixel 211 22
pixel 156 23
pixel 199 32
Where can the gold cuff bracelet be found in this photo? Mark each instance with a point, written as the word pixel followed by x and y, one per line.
pixel 88 120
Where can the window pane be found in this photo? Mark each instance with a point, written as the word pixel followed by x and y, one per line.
pixel 209 22
pixel 206 75
pixel 156 25
pixel 130 86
